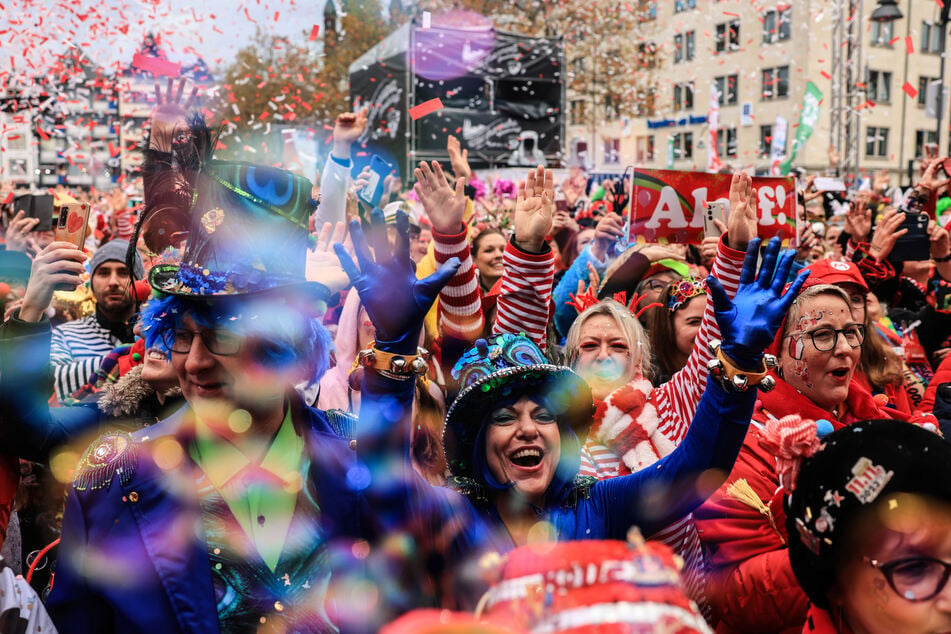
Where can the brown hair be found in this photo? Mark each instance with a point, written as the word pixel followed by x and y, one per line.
pixel 881 364
pixel 660 325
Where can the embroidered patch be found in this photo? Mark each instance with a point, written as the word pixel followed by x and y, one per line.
pixel 868 481
pixel 808 539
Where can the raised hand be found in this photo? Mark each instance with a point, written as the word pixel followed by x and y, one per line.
pixel 57 265
pixel 18 236
pixel 534 209
pixel 606 234
pixel 322 263
pixel 887 233
pixel 395 300
pixel 169 120
pixel 742 221
pixel 858 220
pixel 749 322
pixel 445 205
pixel 459 159
pixel 347 128
pixel 930 179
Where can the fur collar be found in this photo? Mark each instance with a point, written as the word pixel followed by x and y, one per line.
pixel 124 397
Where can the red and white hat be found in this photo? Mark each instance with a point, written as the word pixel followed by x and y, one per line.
pixel 828 271
pixel 589 587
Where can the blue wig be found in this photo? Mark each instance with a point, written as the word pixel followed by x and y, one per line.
pixel 286 331
pixel 568 464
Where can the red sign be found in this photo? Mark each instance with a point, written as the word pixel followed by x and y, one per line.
pixel 668 205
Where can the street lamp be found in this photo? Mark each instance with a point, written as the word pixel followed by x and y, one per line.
pixel 886 11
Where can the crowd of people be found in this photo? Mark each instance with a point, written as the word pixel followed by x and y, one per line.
pixel 252 403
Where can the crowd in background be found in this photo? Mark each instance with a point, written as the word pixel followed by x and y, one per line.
pixel 645 355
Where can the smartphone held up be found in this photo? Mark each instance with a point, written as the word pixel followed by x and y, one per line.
pixel 72 223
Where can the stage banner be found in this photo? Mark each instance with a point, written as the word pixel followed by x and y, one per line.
pixel 667 205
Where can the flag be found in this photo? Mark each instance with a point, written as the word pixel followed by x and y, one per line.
pixel 713 154
pixel 777 147
pixel 808 118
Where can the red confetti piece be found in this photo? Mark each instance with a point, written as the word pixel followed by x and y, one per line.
pixel 826 75
pixel 910 90
pixel 909 45
pixel 156 66
pixel 313 32
pixel 425 108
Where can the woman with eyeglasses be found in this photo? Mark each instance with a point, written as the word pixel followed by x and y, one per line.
pixel 869 525
pixel 818 350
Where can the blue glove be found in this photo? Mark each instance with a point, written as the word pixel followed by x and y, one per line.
pixel 749 322
pixel 395 300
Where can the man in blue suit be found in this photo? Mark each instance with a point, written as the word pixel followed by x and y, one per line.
pixel 225 516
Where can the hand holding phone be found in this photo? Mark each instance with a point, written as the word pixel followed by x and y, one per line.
pixel 714 210
pixel 373 192
pixel 72 223
pixel 914 243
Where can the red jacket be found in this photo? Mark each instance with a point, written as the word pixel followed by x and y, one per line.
pixel 9 481
pixel 752 585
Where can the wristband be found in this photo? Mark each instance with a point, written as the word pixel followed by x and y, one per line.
pixel 735 379
pixel 400 367
pixel 946 258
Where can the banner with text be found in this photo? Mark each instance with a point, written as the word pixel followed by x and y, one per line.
pixel 668 205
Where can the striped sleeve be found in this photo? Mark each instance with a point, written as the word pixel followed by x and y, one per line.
pixel 676 401
pixel 77 348
pixel 526 293
pixel 460 301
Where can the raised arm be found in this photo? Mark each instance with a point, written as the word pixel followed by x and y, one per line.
pixel 529 264
pixel 678 398
pixel 335 178
pixel 460 302
pixel 747 324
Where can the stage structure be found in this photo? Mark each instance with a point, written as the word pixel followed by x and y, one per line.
pixel 502 94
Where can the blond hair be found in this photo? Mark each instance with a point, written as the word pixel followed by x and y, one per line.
pixel 634 333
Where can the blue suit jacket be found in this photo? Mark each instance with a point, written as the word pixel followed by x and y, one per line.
pixel 133 556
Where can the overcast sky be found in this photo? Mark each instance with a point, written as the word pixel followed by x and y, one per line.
pixel 111 30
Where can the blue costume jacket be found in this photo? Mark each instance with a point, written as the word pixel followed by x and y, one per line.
pixel 133 556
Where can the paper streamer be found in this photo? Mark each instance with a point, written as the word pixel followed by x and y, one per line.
pixel 425 108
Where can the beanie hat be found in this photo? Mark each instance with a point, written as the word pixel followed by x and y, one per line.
pixel 115 250
pixel 859 466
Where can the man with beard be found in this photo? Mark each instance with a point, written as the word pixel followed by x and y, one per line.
pixel 78 347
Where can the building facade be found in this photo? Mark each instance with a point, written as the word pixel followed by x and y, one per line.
pixel 760 58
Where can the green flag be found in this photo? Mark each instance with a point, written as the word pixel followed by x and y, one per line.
pixel 807 123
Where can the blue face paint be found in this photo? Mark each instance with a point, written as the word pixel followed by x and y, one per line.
pixel 607 370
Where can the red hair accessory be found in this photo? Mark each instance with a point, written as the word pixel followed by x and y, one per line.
pixel 586 298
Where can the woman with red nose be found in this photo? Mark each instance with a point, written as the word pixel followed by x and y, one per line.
pixel 818 350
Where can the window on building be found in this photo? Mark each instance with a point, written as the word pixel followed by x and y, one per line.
pixel 765 140
pixel 612 105
pixel 775 83
pixel 645 106
pixel 577 66
pixel 728 36
pixel 645 148
pixel 879 86
pixel 923 138
pixel 923 83
pixel 690 40
pixel 930 37
pixel 726 142
pixel 647 55
pixel 683 96
pixel 678 48
pixel 683 145
pixel 612 151
pixel 578 111
pixel 647 10
pixel 728 88
pixel 777 24
pixel 880 33
pixel 876 141
pixel 683 5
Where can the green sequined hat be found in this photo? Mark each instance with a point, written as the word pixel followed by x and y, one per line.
pixel 247 232
pixel 496 368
